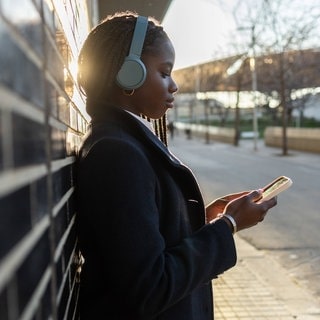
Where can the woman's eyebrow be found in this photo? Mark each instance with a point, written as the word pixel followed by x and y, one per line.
pixel 167 64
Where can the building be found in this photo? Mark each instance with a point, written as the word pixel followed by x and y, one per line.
pixel 228 83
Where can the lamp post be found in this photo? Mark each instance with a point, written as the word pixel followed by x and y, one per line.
pixel 254 89
pixel 252 60
pixel 234 69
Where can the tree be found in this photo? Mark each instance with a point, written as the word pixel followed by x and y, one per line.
pixel 280 28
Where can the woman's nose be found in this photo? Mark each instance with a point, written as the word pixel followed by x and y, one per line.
pixel 173 87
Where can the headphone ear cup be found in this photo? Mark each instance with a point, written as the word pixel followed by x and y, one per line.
pixel 132 73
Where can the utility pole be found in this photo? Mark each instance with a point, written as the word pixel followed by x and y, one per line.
pixel 235 67
pixel 254 89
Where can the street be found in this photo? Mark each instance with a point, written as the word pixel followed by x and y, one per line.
pixel 290 231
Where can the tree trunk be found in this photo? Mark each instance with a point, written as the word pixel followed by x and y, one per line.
pixel 284 107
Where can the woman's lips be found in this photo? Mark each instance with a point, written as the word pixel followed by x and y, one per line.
pixel 170 103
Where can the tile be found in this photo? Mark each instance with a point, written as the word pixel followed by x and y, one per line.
pixel 51 99
pixel 58 143
pixel 24 16
pixel 60 223
pixel 1 143
pixel 29 141
pixel 39 196
pixel 61 183
pixel 29 83
pixel 49 16
pixel 54 62
pixel 4 305
pixel 32 269
pixel 63 301
pixel 15 219
pixel 72 143
pixel 45 308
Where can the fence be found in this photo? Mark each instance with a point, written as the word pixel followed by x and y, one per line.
pixel 303 139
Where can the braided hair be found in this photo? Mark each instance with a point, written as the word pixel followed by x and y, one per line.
pixel 102 56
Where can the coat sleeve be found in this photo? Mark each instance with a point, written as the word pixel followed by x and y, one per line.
pixel 119 217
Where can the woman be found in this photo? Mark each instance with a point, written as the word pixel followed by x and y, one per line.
pixel 151 248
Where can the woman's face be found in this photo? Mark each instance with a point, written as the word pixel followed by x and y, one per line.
pixel 155 96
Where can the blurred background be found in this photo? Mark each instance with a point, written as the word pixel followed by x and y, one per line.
pixel 249 66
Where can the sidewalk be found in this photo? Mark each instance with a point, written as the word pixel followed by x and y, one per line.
pixel 259 288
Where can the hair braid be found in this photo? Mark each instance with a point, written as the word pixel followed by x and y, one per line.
pixel 160 127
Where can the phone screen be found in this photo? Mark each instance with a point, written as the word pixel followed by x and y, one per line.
pixel 277 184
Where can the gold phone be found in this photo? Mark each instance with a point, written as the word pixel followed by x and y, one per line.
pixel 275 187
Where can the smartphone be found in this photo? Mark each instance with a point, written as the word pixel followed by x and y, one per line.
pixel 275 187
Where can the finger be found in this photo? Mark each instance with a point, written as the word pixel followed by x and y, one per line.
pixel 263 215
pixel 255 195
pixel 266 205
pixel 233 196
pixel 271 203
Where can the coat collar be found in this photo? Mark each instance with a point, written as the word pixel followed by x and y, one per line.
pixel 119 117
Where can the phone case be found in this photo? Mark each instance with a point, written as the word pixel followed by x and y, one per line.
pixel 275 187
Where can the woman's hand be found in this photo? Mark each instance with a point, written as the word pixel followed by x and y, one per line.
pixel 243 209
pixel 246 212
pixel 217 206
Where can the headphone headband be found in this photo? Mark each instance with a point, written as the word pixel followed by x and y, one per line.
pixel 132 73
pixel 138 36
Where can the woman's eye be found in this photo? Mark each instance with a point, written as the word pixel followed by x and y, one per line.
pixel 165 74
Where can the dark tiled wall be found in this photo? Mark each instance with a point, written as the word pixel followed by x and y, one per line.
pixel 40 129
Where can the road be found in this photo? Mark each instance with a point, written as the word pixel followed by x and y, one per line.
pixel 290 231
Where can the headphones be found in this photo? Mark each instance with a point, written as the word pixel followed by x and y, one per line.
pixel 132 73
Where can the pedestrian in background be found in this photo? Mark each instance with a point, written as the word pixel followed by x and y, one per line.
pixel 151 247
pixel 171 129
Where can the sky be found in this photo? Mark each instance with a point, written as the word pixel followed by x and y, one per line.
pixel 199 29
pixel 204 30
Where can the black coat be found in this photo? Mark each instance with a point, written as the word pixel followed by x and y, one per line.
pixel 141 227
